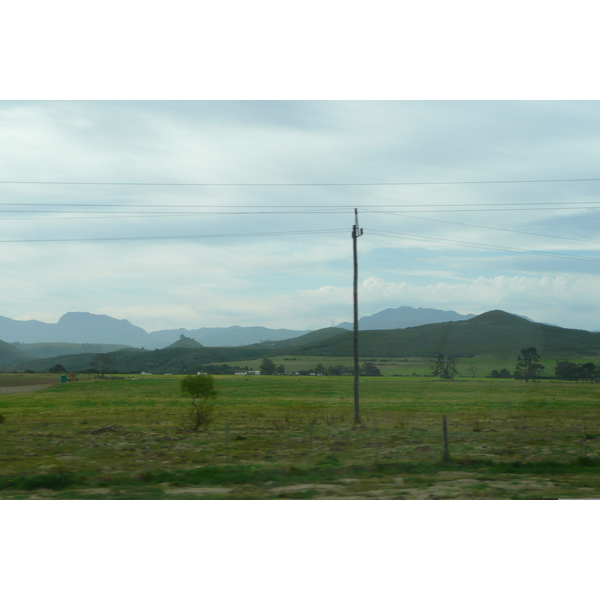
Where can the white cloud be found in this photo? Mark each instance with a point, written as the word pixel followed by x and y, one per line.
pixel 541 298
pixel 303 281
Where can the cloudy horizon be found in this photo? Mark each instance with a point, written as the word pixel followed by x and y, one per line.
pixel 280 255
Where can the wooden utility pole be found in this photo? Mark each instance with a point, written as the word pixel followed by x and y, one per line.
pixel 356 233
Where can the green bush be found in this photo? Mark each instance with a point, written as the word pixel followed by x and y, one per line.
pixel 199 387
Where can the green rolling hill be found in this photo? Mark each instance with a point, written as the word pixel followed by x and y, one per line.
pixel 10 354
pixel 308 338
pixel 495 333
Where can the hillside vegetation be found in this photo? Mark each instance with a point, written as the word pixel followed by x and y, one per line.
pixel 10 354
pixel 185 342
pixel 494 333
pixel 170 360
pixel 309 338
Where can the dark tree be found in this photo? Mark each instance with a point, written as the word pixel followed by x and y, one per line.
pixel 445 368
pixel 101 363
pixel 528 364
pixel 336 370
pixel 568 370
pixel 369 369
pixel 58 368
pixel 588 371
pixel 267 366
pixel 502 373
pixel 339 370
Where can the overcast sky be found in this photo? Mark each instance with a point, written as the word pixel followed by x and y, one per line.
pixel 409 253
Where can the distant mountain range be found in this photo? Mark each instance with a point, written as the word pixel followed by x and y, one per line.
pixel 88 328
pixel 405 316
pixel 495 334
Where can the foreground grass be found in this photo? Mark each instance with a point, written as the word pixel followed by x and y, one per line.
pixel 283 437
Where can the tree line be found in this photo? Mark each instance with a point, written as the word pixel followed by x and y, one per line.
pixel 367 369
pixel 528 367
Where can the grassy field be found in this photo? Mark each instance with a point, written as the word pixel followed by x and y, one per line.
pixel 407 367
pixel 293 437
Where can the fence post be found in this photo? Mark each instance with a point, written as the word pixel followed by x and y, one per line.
pixel 227 445
pixel 445 430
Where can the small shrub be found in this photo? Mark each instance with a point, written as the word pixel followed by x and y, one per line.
pixel 201 416
pixel 2 418
pixel 201 412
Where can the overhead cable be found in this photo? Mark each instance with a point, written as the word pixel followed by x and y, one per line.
pixel 555 237
pixel 316 184
pixel 437 240
pixel 179 237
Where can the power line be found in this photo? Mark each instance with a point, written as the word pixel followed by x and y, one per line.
pixel 317 184
pixel 299 206
pixel 196 206
pixel 65 208
pixel 533 207
pixel 556 237
pixel 179 237
pixel 187 213
pixel 437 240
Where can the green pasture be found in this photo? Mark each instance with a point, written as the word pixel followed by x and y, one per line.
pixel 294 437
pixel 476 367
